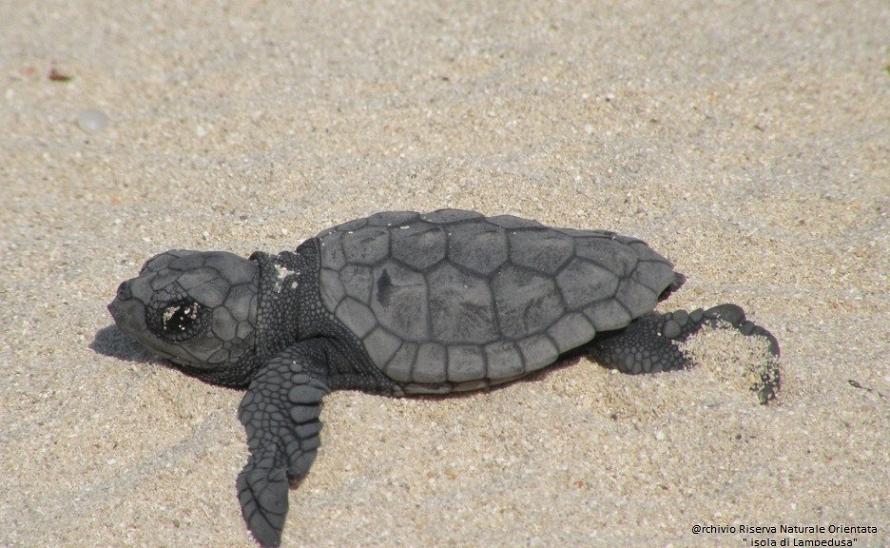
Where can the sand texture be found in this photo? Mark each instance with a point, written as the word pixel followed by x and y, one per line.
pixel 747 141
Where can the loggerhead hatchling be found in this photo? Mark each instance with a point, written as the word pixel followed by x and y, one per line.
pixel 402 303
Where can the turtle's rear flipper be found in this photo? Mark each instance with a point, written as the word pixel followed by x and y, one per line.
pixel 647 344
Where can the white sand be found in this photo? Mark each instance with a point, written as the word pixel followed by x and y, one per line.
pixel 749 144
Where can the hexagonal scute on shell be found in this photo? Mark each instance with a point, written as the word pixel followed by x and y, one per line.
pixel 608 315
pixel 353 225
pixel 399 301
pixel 638 299
pixel 646 253
pixel 585 233
pixel 582 282
pixel 618 258
pixel 538 351
pixel 465 363
pixel 356 281
pixel 400 366
pixel 428 389
pixel 513 222
pixel 419 245
pixel 331 250
pixel 392 218
pixel 627 240
pixel 475 384
pixel 381 345
pixel 430 364
pixel 331 289
pixel 656 275
pixel 504 360
pixel 477 245
pixel 542 250
pixel 571 331
pixel 460 307
pixel 366 245
pixel 450 215
pixel 356 316
pixel 526 302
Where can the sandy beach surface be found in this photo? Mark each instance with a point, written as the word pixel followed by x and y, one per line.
pixel 747 141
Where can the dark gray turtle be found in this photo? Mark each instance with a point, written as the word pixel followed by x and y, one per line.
pixel 401 303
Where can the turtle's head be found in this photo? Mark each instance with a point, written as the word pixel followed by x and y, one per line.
pixel 197 309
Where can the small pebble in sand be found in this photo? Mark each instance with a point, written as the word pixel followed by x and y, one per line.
pixel 92 120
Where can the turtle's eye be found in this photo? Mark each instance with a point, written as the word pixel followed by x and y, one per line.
pixel 179 320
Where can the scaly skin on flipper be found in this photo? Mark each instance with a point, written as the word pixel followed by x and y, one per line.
pixel 647 345
pixel 280 414
pixel 402 303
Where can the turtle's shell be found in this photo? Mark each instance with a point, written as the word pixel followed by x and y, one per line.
pixel 452 300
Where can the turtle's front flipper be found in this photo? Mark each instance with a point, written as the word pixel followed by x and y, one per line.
pixel 647 344
pixel 280 413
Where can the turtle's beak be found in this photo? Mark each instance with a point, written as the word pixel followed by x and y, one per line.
pixel 115 308
pixel 128 313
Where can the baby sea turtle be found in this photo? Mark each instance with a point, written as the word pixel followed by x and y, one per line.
pixel 402 303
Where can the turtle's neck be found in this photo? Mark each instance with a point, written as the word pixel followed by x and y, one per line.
pixel 278 324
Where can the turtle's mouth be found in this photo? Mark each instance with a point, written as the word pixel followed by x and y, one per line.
pixel 128 313
pixel 129 316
